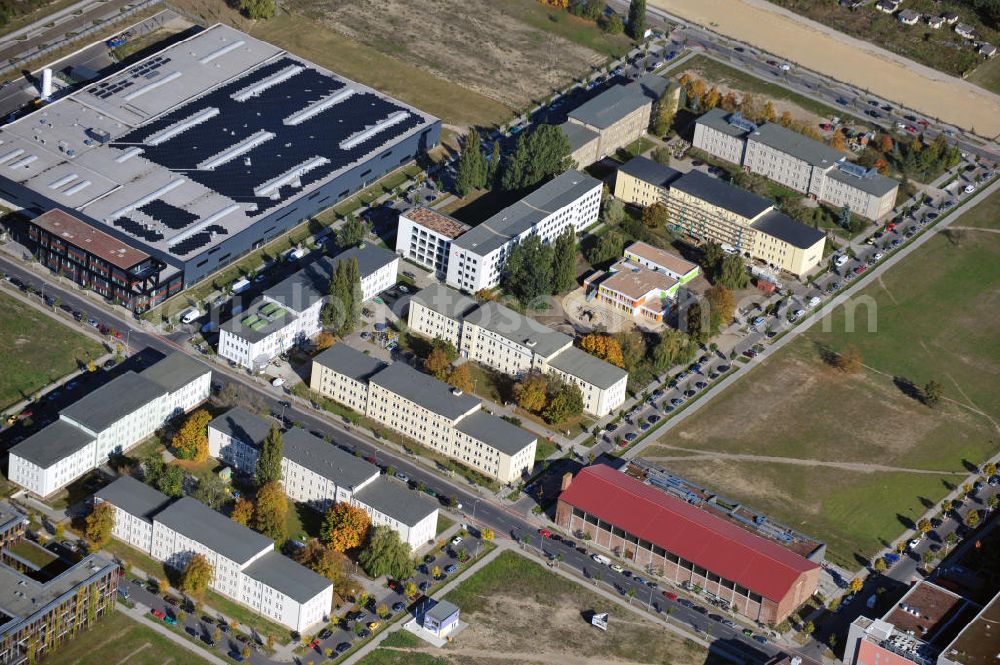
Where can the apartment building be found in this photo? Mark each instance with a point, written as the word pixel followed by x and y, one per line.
pixel 428 411
pixel 712 210
pixel 796 161
pixel 108 421
pixel 424 236
pixel 290 312
pixel 320 474
pixel 246 566
pixel 506 341
pixel 612 120
pixel 643 182
pixel 45 606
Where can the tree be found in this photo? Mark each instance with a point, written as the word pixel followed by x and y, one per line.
pixel 411 590
pixel 808 628
pixel 531 392
pixel 269 462
pixel 564 262
pixel 486 534
pixel 539 155
pixel 614 25
pixel 786 119
pixel 879 565
pixel 655 216
pixel 270 513
pixel 636 27
pixel 856 585
pixel 257 9
pixel 711 99
pixel 493 168
pixel 565 403
pixel 609 247
pixel 342 311
pixel 324 341
pixel 838 141
pixel 849 360
pixel 630 592
pixel 729 103
pixel 197 575
pixel 990 469
pixel 328 562
pixel 472 169
pixel 769 113
pixel 437 363
pixel 732 273
pixel 696 328
pixel 885 143
pixel 461 378
pixel 674 347
pixel 345 527
pixel 992 502
pixel 171 481
pixel 528 270
pixel 100 524
pixel 972 519
pixel 933 392
pixel 351 232
pixel 191 440
pixel 723 306
pixel 604 347
pixel 664 113
pixel 386 554
pixel 436 572
pixel 242 512
pixel 924 525
pixel 211 491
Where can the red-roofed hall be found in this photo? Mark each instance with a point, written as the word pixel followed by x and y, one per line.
pixel 757 577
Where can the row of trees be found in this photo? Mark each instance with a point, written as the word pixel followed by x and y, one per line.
pixel 539 154
pixel 593 10
pixel 910 156
pixel 342 311
pixel 724 269
pixel 535 269
pixel 548 396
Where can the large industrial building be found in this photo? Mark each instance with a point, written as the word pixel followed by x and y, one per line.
pixel 195 156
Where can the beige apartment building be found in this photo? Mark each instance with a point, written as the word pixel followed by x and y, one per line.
pixel 426 410
pixel 643 182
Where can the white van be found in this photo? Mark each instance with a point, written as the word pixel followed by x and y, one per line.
pixel 601 559
pixel 190 315
pixel 295 254
pixel 240 285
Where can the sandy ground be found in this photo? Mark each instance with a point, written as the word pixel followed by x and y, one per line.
pixel 844 58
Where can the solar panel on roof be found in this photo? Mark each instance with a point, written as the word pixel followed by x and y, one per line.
pixel 855 170
pixel 136 229
pixel 198 240
pixel 171 216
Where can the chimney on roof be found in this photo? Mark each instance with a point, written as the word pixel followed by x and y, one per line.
pixel 567 479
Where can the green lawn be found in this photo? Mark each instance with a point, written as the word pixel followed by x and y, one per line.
pixel 987 75
pixel 302 522
pixel 117 639
pixel 444 523
pixel 934 317
pixel 36 554
pixel 382 656
pixel 561 22
pixel 37 350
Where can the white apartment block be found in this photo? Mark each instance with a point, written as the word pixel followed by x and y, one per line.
pixel 108 421
pixel 796 161
pixel 427 411
pixel 290 312
pixel 473 258
pixel 508 342
pixel 320 474
pixel 246 567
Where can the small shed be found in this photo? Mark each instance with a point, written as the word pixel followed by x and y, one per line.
pixel 908 17
pixel 442 618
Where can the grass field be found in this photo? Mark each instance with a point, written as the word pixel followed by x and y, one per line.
pixel 937 319
pixel 117 639
pixel 562 23
pixel 987 75
pixel 37 350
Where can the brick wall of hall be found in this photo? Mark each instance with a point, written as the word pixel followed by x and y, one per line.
pixel 766 612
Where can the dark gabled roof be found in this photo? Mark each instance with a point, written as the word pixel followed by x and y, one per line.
pixel 519 329
pixel 797 145
pixel 175 371
pixel 684 530
pixel 52 443
pixel 722 194
pixel 442 610
pixel 785 228
pixel 872 182
pixel 113 401
pixel 500 434
pixel 578 135
pixel 731 124
pixel 134 497
pixel 390 497
pixel 649 171
pixel 243 426
pixel 350 362
pixel 616 102
pixel 193 519
pixel 326 459
pixel 426 391
pixel 445 300
pixel 277 571
pixel 577 362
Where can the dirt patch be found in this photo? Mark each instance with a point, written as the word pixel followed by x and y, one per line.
pixel 844 58
pixel 472 43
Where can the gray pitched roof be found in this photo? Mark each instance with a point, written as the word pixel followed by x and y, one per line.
pixel 175 371
pixel 113 401
pixel 577 362
pixel 433 395
pixel 350 362
pixel 792 143
pixel 326 459
pixel 281 573
pixel 618 101
pixel 577 135
pixel 193 519
pixel 391 498
pixel 515 219
pixel 445 300
pixel 134 497
pixel 874 183
pixel 52 443
pixel 518 328
pixel 500 434
pixel 442 610
pixel 242 425
pixel 782 226
pixel 720 121
pixel 721 194
pixel 647 170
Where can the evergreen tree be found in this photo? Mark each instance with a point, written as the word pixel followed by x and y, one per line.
pixel 352 298
pixel 352 232
pixel 493 167
pixel 269 463
pixel 472 167
pixel 564 262
pixel 528 271
pixel 271 511
pixel 636 27
pixel 540 154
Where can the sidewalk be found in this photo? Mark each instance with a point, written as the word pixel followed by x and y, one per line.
pixel 138 613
